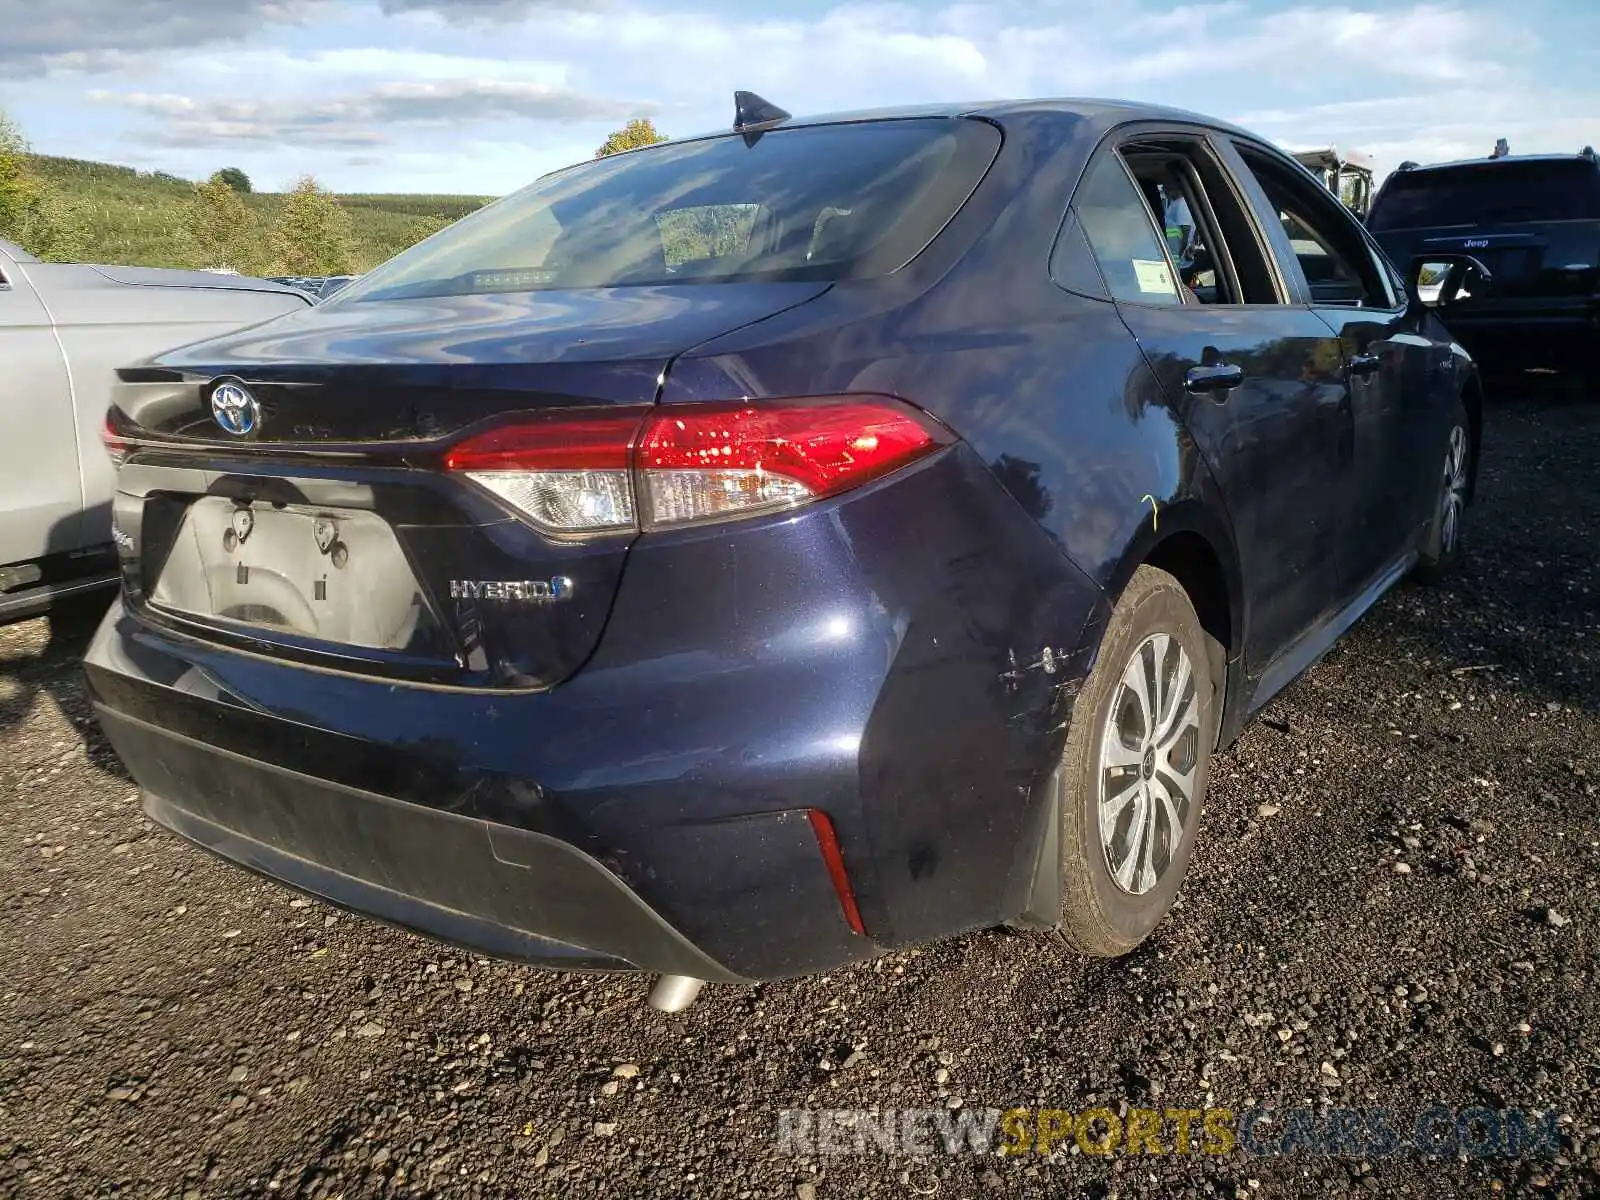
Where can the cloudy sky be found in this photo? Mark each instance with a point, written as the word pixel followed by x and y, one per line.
pixel 483 95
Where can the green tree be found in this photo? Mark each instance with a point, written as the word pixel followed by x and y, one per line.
pixel 11 139
pixel 19 190
pixel 56 229
pixel 313 235
pixel 33 214
pixel 640 131
pixel 423 228
pixel 223 228
pixel 234 178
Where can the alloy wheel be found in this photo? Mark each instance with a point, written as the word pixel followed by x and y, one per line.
pixel 1453 501
pixel 1149 763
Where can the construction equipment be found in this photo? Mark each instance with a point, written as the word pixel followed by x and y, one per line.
pixel 1347 174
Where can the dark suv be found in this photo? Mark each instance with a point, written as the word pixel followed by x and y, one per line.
pixel 1534 223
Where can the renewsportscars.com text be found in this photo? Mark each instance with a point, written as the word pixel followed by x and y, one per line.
pixel 1438 1130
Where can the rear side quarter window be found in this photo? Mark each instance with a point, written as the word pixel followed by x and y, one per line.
pixel 1127 247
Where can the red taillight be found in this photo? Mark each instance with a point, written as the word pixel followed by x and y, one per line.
pixel 825 446
pixel 116 447
pixel 561 440
pixel 702 461
pixel 577 472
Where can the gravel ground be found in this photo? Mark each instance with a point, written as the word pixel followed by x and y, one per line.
pixel 1368 922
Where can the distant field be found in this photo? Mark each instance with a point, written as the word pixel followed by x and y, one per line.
pixel 137 218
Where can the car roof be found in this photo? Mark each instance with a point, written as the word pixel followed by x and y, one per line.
pixel 1503 159
pixel 1102 112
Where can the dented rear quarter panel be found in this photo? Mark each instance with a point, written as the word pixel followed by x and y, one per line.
pixel 1083 465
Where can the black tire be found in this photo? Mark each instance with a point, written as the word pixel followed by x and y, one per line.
pixel 1099 915
pixel 1441 541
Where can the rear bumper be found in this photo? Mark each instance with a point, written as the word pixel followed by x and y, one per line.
pixel 655 811
pixel 499 891
pixel 1560 338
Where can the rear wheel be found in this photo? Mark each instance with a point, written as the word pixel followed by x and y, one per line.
pixel 1136 766
pixel 1441 543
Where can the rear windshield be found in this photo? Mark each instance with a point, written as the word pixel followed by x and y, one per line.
pixel 812 203
pixel 1482 194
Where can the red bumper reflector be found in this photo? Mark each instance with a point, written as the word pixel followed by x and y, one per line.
pixel 828 842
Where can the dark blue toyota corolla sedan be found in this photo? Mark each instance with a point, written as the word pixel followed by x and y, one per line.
pixel 753 553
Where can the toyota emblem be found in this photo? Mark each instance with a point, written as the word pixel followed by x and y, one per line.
pixel 235 409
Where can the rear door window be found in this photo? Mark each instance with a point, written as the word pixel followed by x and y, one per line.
pixel 1209 236
pixel 1488 192
pixel 817 202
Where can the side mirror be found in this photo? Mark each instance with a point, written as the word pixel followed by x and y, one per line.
pixel 1436 280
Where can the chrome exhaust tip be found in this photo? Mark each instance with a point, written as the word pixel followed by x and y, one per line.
pixel 674 993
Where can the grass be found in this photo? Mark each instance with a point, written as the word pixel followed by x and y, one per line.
pixel 138 218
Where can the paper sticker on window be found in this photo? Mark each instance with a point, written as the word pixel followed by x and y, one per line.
pixel 1154 277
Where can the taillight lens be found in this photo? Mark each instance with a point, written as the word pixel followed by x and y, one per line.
pixel 567 472
pixel 703 461
pixel 578 473
pixel 116 447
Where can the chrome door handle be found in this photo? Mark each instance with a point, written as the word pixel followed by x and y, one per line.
pixel 1365 364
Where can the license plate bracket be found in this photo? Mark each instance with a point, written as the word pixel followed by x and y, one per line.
pixel 336 575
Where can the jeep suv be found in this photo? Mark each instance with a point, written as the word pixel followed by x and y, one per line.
pixel 1533 222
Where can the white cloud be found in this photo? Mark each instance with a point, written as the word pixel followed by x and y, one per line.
pixel 529 80
pixel 499 10
pixel 1440 126
pixel 366 118
pixel 42 36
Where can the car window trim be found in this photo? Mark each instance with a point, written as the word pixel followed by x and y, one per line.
pixel 1399 302
pixel 1223 257
pixel 1156 231
pixel 1200 138
pixel 1272 230
pixel 1208 136
pixel 1108 145
pixel 1070 221
pixel 1160 228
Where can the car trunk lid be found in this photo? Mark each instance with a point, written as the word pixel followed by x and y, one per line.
pixel 326 529
pixel 347 373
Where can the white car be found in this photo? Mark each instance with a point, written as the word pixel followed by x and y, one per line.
pixel 64 329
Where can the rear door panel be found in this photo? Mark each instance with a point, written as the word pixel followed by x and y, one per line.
pixel 1279 444
pixel 1280 448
